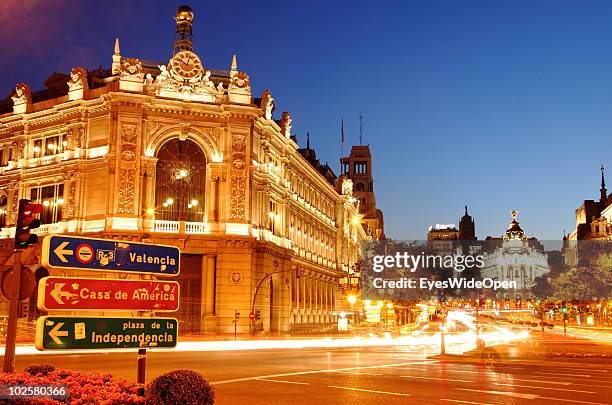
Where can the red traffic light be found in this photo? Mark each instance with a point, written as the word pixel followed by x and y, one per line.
pixel 26 222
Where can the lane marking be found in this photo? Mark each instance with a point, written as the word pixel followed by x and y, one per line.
pixel 506 393
pixel 454 371
pixel 574 401
pixel 544 388
pixel 433 378
pixel 543 382
pixel 589 370
pixel 318 371
pixel 372 391
pixel 465 402
pixel 357 372
pixel 282 381
pixel 569 375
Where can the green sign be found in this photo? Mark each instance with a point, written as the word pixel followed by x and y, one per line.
pixel 67 332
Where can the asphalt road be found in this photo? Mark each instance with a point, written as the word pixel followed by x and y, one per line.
pixel 374 375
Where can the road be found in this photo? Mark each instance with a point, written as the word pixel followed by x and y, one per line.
pixel 364 375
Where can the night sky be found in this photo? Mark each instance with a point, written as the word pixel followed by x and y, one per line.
pixel 497 105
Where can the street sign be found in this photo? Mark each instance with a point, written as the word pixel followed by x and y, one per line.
pixel 65 332
pixel 70 253
pixel 70 294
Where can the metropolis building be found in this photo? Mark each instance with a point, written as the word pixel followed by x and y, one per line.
pixel 181 154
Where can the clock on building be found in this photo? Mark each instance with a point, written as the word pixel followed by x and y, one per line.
pixel 186 64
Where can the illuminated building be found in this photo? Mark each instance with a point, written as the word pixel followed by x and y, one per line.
pixel 514 258
pixel 594 218
pixel 179 154
pixel 358 168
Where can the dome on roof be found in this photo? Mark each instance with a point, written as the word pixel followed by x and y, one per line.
pixel 184 13
pixel 514 232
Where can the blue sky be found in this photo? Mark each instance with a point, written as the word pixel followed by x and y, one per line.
pixel 498 105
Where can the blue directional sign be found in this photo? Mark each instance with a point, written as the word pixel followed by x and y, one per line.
pixel 71 252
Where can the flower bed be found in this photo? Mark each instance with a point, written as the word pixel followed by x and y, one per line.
pixel 84 388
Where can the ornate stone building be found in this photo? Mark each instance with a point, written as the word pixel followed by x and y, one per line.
pixel 180 154
pixel 514 258
pixel 594 218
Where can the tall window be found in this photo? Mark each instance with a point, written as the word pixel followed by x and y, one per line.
pixel 6 155
pixel 52 199
pixel 48 146
pixel 3 205
pixel 180 177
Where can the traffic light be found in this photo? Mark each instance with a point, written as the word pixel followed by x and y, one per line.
pixel 26 222
pixel 257 315
pixel 236 315
pixel 564 308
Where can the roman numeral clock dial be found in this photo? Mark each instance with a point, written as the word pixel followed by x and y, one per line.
pixel 186 64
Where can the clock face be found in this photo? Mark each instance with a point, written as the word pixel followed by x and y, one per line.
pixel 186 64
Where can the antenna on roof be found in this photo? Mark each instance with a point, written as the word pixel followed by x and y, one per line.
pixel 360 129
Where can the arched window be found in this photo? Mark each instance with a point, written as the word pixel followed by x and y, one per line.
pixel 180 177
pixel 359 187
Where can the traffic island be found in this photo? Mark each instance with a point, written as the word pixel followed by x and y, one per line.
pixel 542 347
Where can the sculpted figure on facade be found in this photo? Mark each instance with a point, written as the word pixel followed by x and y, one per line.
pixel 148 81
pixel 22 94
pixel 267 104
pixel 347 187
pixel 78 79
pixel 22 99
pixel 286 123
pixel 131 68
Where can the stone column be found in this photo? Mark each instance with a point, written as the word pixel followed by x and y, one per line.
pixel 12 196
pixel 213 215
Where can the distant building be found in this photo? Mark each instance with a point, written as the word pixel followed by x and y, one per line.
pixel 442 239
pixel 594 218
pixel 358 167
pixel 514 257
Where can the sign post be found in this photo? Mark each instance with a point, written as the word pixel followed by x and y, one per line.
pixel 69 294
pixel 71 332
pixel 90 294
pixel 11 335
pixel 77 253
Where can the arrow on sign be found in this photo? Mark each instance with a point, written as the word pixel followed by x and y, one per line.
pixel 60 251
pixel 57 293
pixel 55 333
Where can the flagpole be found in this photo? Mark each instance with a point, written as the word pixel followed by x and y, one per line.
pixel 342 147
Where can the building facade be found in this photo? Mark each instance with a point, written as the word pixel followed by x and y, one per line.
pixel 179 154
pixel 594 218
pixel 358 168
pixel 514 258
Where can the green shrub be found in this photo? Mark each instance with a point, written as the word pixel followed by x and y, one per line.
pixel 184 387
pixel 43 369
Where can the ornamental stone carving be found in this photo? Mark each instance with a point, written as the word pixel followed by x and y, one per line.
pixel 238 179
pixel 22 99
pixel 77 84
pixel 238 198
pixel 126 191
pixel 128 141
pixel 131 69
pixel 78 79
pixel 267 104
pixel 131 76
pixel 285 124
pixel 347 187
pixel 199 88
